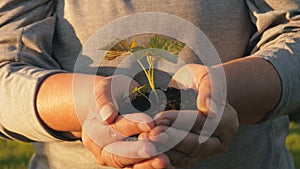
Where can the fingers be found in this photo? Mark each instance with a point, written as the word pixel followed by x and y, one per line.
pixel 132 124
pixel 184 78
pixel 189 120
pixel 225 128
pixel 208 82
pixel 104 102
pixel 229 125
pixel 124 153
pixel 177 158
pixel 196 145
pixel 124 126
pixel 212 146
pixel 175 139
pixel 93 148
pixel 184 145
pixel 189 75
pixel 109 95
pixel 108 112
pixel 211 92
pixel 159 162
pixel 121 154
pixel 204 95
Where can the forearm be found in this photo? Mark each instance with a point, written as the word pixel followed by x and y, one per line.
pixel 253 88
pixel 55 101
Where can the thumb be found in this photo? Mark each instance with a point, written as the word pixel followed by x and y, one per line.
pixel 184 78
pixel 207 107
pixel 204 100
pixel 103 103
pixel 108 113
pixel 111 96
pixel 204 103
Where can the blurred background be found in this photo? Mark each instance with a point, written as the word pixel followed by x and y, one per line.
pixel 15 155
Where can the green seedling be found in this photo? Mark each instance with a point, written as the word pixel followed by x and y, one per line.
pixel 158 47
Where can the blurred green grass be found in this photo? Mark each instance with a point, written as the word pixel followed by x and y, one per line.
pixel 15 155
pixel 293 142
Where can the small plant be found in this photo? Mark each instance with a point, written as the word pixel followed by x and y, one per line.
pixel 158 47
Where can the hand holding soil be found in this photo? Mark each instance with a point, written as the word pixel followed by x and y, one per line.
pixel 190 149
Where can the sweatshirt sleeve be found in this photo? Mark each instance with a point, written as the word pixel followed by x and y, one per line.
pixel 26 33
pixel 277 40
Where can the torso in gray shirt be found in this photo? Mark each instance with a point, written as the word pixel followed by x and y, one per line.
pixel 227 25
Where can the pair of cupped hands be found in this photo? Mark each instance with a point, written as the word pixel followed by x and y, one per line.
pixel 175 138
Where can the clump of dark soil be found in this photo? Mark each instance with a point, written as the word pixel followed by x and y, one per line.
pixel 175 100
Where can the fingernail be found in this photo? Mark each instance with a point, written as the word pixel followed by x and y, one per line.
pixel 164 122
pixel 144 127
pixel 106 112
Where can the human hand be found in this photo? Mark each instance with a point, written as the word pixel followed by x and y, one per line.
pixel 106 135
pixel 189 147
pixel 196 134
pixel 109 92
pixel 209 83
pixel 109 146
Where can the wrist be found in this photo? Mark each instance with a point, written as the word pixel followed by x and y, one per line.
pixel 253 87
pixel 63 99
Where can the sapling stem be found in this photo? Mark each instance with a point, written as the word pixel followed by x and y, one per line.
pixel 150 74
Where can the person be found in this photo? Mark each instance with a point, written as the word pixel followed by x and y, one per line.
pixel 258 43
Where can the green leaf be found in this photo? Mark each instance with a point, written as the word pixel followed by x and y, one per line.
pixel 120 48
pixel 175 47
pixel 164 54
pixel 157 42
pixel 140 54
pixel 137 48
pixel 111 55
pixel 167 44
pixel 123 45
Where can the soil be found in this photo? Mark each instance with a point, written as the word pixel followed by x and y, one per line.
pixel 176 99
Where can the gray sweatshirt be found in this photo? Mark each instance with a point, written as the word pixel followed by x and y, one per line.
pixel 43 37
